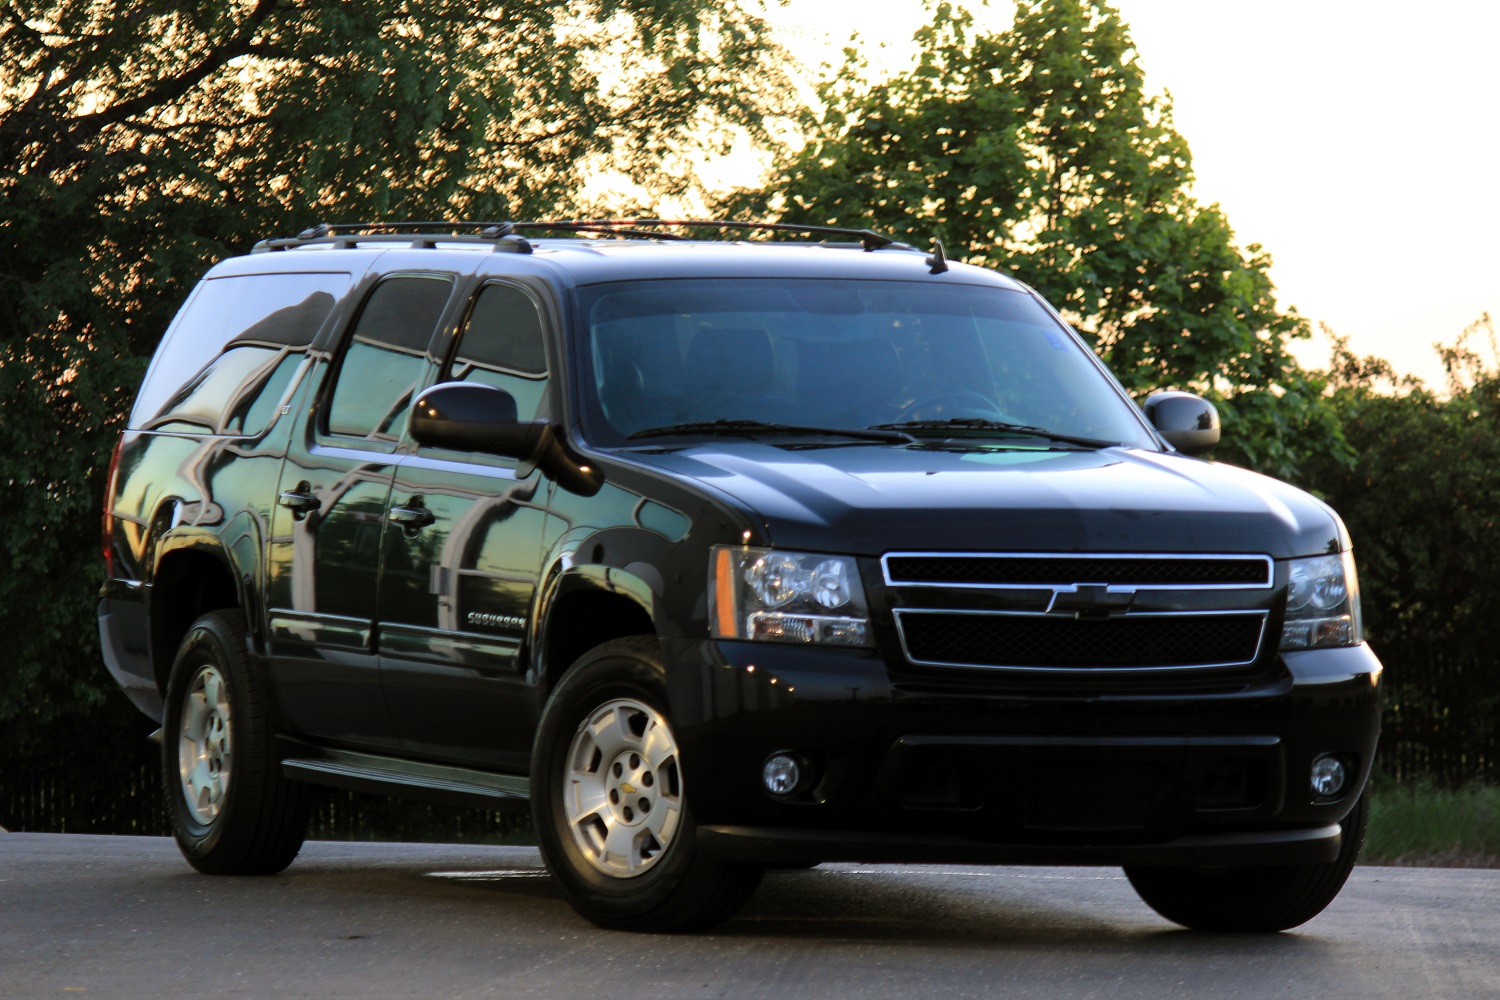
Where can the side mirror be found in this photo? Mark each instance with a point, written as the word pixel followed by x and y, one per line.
pixel 467 416
pixel 1188 422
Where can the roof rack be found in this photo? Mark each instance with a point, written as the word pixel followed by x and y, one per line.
pixel 505 235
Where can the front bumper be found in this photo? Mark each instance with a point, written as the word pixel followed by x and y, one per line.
pixel 777 846
pixel 989 773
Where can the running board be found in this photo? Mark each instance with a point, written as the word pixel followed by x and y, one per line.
pixel 365 772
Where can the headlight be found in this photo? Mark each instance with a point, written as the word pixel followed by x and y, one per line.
pixel 1322 604
pixel 786 597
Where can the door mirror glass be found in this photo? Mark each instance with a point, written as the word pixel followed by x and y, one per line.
pixel 1188 422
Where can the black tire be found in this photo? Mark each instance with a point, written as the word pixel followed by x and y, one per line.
pixel 1255 899
pixel 611 704
pixel 232 811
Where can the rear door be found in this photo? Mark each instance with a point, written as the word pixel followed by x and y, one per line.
pixel 332 498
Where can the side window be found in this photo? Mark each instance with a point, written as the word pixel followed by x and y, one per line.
pixel 502 345
pixel 232 352
pixel 387 356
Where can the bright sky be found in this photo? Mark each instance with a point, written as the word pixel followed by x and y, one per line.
pixel 1357 142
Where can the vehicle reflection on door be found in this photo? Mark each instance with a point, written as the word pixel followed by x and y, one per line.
pixel 456 593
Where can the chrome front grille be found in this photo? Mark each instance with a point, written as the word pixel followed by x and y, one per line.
pixel 1029 570
pixel 1080 612
pixel 1054 642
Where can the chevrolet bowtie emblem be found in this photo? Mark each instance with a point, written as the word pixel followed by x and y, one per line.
pixel 628 788
pixel 1090 600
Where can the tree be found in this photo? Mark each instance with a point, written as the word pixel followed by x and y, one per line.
pixel 140 140
pixel 1420 502
pixel 1038 149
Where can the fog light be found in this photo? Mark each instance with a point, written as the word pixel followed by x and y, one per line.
pixel 781 774
pixel 1328 777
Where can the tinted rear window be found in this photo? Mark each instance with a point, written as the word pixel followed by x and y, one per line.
pixel 232 348
pixel 386 358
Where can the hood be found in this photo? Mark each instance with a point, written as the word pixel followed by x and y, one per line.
pixel 871 499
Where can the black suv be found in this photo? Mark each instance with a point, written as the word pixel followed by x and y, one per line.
pixel 723 555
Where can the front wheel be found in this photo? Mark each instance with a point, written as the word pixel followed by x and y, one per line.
pixel 232 811
pixel 610 804
pixel 1253 898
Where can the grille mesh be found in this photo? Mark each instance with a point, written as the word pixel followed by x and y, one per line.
pixel 1057 642
pixel 1047 571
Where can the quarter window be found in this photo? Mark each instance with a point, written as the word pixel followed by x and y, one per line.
pixel 232 352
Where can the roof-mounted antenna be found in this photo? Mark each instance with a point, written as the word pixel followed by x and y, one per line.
pixel 938 262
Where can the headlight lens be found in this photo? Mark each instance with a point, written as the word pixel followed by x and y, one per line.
pixel 787 597
pixel 1322 604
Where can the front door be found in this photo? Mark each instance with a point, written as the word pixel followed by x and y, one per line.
pixel 461 559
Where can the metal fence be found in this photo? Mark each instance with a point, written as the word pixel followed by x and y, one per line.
pixel 121 793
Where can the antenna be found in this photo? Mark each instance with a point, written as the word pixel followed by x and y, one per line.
pixel 938 262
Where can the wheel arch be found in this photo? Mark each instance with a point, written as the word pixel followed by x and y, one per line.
pixel 586 606
pixel 193 573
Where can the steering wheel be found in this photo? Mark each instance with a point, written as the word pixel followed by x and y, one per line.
pixel 954 403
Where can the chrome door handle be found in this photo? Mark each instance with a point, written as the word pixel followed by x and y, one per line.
pixel 300 501
pixel 413 516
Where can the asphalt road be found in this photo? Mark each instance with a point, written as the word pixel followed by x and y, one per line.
pixel 126 917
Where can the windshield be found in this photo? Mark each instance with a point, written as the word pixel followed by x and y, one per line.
pixel 671 356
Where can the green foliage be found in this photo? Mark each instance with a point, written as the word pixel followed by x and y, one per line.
pixel 1039 150
pixel 1417 823
pixel 1421 504
pixel 141 141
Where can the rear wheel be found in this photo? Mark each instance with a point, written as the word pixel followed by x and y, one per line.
pixel 232 811
pixel 1254 898
pixel 610 803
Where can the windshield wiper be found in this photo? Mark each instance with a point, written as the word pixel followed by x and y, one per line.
pixel 1005 427
pixel 760 428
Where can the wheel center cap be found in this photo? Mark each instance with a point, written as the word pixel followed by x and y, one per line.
pixel 632 793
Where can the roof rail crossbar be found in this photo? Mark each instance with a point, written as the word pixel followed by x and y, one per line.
pixel 420 234
pixel 611 227
pixel 867 238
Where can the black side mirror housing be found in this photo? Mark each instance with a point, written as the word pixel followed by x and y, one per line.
pixel 468 416
pixel 1188 422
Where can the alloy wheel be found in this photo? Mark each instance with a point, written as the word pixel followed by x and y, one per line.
pixel 204 749
pixel 623 795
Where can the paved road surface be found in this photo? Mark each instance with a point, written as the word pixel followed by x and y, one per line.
pixel 125 917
